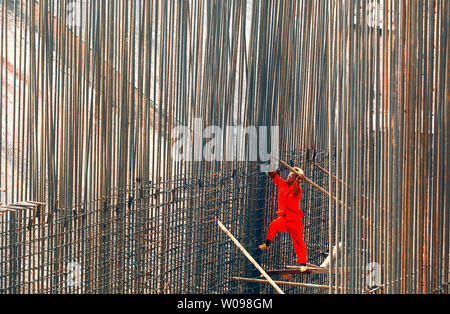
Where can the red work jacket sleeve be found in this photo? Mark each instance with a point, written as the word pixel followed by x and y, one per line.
pixel 299 195
pixel 278 181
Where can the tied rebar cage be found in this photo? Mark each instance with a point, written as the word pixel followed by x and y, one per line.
pixel 164 239
pixel 93 201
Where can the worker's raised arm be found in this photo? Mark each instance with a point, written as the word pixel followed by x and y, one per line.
pixel 276 178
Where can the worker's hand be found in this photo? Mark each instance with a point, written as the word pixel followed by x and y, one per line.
pixel 300 177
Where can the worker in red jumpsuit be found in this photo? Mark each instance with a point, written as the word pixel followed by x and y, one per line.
pixel 290 215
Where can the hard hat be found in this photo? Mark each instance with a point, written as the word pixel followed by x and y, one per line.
pixel 299 170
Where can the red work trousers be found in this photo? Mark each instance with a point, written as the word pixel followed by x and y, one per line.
pixel 295 228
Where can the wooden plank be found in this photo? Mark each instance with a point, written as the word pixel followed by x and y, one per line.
pixel 296 271
pixel 24 205
pixel 307 264
pixel 285 283
pixel 10 209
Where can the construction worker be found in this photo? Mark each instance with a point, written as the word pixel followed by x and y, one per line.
pixel 290 215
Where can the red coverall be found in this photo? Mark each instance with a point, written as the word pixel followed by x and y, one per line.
pixel 290 217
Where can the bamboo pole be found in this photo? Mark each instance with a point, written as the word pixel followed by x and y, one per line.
pixel 269 280
pixel 309 181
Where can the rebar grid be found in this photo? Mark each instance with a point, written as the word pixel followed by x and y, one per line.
pixel 392 163
pixel 128 249
pixel 89 97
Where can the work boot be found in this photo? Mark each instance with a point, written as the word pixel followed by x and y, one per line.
pixel 264 247
pixel 303 268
